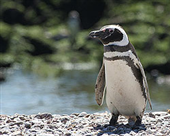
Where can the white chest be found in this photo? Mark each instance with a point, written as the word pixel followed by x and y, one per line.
pixel 123 90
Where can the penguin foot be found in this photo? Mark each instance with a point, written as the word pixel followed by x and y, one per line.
pixel 138 121
pixel 131 121
pixel 113 120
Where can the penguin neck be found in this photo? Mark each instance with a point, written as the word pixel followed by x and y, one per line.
pixel 112 51
pixel 120 49
pixel 117 48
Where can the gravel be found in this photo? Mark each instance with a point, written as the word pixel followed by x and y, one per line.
pixel 82 124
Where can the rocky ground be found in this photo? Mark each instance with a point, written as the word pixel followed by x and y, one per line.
pixel 82 124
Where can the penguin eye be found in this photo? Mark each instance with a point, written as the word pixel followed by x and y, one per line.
pixel 110 30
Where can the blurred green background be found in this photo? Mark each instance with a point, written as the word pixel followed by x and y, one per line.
pixel 41 35
pixel 49 64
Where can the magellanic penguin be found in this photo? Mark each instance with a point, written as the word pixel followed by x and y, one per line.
pixel 121 75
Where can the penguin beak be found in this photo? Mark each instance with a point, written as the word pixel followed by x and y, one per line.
pixel 96 34
pixel 101 34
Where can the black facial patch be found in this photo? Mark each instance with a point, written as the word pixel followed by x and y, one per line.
pixel 103 34
pixel 111 36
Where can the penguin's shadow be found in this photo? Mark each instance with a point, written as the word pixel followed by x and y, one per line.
pixel 119 129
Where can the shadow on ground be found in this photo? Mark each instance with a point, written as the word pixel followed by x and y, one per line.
pixel 119 129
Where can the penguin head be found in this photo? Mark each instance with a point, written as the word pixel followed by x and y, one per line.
pixel 111 35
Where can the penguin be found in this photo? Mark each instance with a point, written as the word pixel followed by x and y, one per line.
pixel 121 76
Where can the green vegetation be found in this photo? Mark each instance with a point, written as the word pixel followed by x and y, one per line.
pixel 36 34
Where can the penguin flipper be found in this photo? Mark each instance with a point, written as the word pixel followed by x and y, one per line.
pixel 145 83
pixel 100 86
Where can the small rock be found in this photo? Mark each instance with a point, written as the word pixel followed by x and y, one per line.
pixel 43 134
pixel 159 120
pixel 16 133
pixel 167 117
pixel 44 116
pixel 151 115
pixel 82 114
pixel 152 120
pixel 67 134
pixel 21 118
pixel 105 134
pixel 158 134
pixel 76 114
pixel 27 125
pixel 127 135
pixel 64 120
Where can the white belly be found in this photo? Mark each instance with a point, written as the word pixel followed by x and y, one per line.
pixel 123 93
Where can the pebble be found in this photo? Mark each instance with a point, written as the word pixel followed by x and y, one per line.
pixel 83 124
